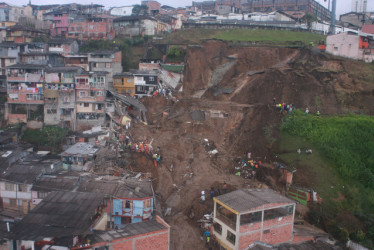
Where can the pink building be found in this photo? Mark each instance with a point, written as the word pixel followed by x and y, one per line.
pixel 60 24
pixel 245 216
pixel 351 45
pixel 92 29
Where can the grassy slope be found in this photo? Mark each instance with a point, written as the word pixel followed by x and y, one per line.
pixel 282 37
pixel 340 168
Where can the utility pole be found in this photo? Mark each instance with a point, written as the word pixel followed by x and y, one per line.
pixel 333 17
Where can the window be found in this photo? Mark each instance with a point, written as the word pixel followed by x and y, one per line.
pixel 151 78
pixel 127 204
pixel 33 97
pixel 139 78
pixel 278 212
pixel 140 88
pixel 9 186
pixel 130 80
pixel 118 81
pixel 72 28
pixel 42 195
pixel 226 216
pixel 86 105
pixel 231 237
pixel 99 93
pixel 51 111
pixel 92 93
pixel 13 202
pixel 22 188
pixel 336 48
pixel 250 218
pixel 82 94
pixel 107 65
pixel 217 227
pixel 66 99
pixel 147 203
pixel 99 106
pixel 82 80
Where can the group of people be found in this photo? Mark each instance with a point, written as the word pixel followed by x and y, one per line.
pixel 214 192
pixel 164 91
pixel 247 168
pixel 307 112
pixel 145 147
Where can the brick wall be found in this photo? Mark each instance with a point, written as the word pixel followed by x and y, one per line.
pixel 159 242
pixel 16 118
pixel 246 240
pixel 278 235
pixel 278 221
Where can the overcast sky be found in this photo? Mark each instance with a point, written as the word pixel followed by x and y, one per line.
pixel 343 6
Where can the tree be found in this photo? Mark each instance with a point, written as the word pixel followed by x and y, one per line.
pixel 309 19
pixel 140 10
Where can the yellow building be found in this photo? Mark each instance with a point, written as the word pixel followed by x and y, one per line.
pixel 124 84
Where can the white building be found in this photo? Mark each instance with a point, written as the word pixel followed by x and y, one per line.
pixel 121 11
pixel 359 6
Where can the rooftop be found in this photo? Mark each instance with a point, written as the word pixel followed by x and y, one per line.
pixel 32 166
pixel 80 148
pixel 59 214
pixel 129 188
pixel 26 66
pixel 143 72
pixel 128 231
pixel 67 69
pixel 128 74
pixel 132 18
pixel 246 199
pixel 62 41
pixel 47 183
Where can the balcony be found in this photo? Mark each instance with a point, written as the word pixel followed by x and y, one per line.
pixel 82 86
pixel 27 77
pixel 17 90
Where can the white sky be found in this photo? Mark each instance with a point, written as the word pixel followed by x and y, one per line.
pixel 343 6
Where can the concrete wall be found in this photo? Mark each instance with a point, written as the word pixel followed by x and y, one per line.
pixel 344 45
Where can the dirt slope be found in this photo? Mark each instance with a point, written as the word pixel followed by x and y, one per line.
pixel 235 113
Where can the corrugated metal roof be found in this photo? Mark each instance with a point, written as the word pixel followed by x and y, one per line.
pixel 59 214
pixel 80 148
pixel 246 199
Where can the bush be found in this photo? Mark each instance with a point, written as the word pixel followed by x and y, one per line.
pixel 48 136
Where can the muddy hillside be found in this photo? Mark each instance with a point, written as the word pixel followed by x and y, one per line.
pixel 226 104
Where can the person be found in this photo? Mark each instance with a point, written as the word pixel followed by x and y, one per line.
pixel 207 235
pixel 211 192
pixel 203 196
pixel 306 111
pixel 317 113
pixel 224 187
pixel 274 100
pixel 299 151
pixel 219 191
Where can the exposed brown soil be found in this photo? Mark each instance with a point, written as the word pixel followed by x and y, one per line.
pixel 305 78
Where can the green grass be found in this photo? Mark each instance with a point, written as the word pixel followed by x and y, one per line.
pixel 271 37
pixel 341 167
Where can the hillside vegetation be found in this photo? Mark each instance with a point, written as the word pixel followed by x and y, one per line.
pixel 346 143
pixel 271 37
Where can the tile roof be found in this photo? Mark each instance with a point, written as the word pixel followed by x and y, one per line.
pixel 59 214
pixel 245 199
pixel 368 28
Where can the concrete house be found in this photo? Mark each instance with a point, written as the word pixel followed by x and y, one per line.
pixel 121 11
pixel 124 84
pixel 23 34
pixel 63 46
pixel 146 82
pixel 80 60
pixel 72 214
pixel 245 216
pixel 25 93
pixel 78 155
pixel 59 96
pixel 90 99
pixel 106 61
pixel 351 45
pixel 18 180
pixel 135 26
pixel 93 28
